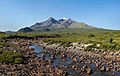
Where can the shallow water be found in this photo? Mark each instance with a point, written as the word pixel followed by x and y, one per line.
pixel 58 62
pixel 37 49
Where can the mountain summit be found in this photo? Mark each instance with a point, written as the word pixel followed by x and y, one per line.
pixel 52 23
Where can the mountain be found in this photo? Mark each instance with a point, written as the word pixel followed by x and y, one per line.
pixel 26 29
pixel 62 25
pixel 66 22
pixel 9 32
pixel 52 23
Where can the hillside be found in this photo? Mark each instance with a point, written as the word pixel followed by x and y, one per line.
pixel 26 29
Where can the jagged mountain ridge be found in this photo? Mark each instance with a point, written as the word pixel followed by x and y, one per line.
pixel 52 23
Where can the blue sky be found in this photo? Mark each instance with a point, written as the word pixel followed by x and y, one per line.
pixel 15 14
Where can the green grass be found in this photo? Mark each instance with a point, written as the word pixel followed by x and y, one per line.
pixel 108 40
pixel 68 35
pixel 11 57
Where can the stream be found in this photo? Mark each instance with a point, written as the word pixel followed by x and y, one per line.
pixel 68 61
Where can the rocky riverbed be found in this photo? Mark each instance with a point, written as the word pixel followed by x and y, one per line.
pixel 54 60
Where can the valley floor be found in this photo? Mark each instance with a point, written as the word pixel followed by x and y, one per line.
pixel 55 60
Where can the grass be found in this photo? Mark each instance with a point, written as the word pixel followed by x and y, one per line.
pixel 108 40
pixel 11 57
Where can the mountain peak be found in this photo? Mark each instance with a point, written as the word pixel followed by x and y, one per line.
pixel 53 23
pixel 51 18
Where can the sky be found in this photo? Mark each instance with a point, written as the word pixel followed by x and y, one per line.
pixel 16 14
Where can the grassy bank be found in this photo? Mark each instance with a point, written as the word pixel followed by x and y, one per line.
pixel 107 40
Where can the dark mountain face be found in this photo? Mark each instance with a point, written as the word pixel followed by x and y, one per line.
pixel 52 23
pixel 26 29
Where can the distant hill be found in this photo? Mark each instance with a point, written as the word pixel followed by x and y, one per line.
pixel 10 32
pixel 61 25
pixel 26 29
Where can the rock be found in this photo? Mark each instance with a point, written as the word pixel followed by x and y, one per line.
pixel 87 45
pixel 97 65
pixel 75 59
pixel 83 69
pixel 118 69
pixel 89 71
pixel 102 69
pixel 111 53
pixel 50 61
pixel 74 44
pixel 97 45
pixel 62 56
pixel 107 69
pixel 65 73
pixel 85 66
pixel 59 72
pixel 117 53
pixel 53 57
pixel 73 66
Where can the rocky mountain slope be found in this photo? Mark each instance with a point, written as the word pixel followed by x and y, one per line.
pixel 52 23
